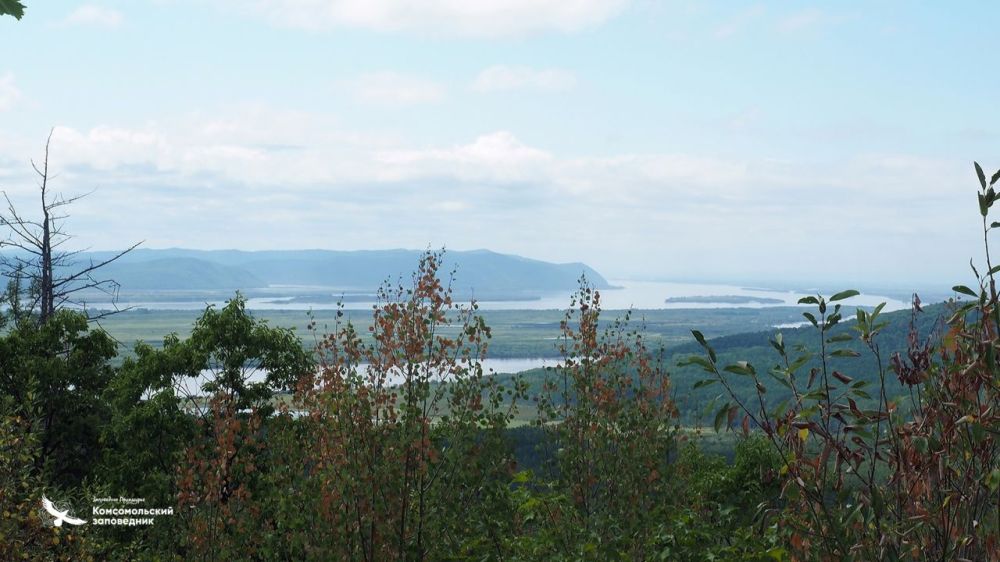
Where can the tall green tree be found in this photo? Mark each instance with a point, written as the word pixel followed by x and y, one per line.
pixel 158 396
pixel 65 366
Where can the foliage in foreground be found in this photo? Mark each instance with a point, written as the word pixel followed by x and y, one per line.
pixel 396 446
pixel 916 476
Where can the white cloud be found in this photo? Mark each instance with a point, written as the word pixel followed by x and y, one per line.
pixel 497 157
pixel 95 16
pixel 481 18
pixel 108 148
pixel 261 148
pixel 250 144
pixel 259 178
pixel 392 88
pixel 9 94
pixel 502 77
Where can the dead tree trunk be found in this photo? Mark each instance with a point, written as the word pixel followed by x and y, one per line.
pixel 35 256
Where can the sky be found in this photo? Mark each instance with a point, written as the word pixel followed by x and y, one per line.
pixel 651 139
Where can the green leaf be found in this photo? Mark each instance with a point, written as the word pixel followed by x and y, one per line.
pixel 854 515
pixel 845 353
pixel 961 312
pixel 776 344
pixel 696 360
pixel 778 554
pixel 978 433
pixel 832 320
pixel 964 290
pixel 808 300
pixel 799 362
pixel 844 295
pixel 781 377
pixel 979 172
pixel 701 340
pixel 840 338
pixel 12 8
pixel 720 416
pixel 810 318
pixel 740 368
pixel 995 177
pixel 993 480
pixel 704 382
pixel 878 309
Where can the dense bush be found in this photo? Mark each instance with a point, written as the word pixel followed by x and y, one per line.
pixel 406 457
pixel 913 476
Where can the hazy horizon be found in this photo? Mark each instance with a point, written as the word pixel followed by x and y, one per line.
pixel 803 285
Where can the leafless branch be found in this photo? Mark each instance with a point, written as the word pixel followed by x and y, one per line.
pixel 38 260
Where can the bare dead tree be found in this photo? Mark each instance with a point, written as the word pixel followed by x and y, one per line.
pixel 55 277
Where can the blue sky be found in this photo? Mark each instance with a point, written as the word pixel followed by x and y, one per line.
pixel 650 139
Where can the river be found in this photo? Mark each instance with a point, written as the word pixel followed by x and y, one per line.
pixel 627 294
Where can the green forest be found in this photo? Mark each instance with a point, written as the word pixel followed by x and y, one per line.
pixel 860 436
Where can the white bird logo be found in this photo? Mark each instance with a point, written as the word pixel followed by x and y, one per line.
pixel 60 516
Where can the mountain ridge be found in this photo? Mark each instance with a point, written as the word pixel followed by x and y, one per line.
pixel 475 270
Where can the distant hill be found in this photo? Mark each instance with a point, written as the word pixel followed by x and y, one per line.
pixel 483 272
pixel 182 274
pixel 754 348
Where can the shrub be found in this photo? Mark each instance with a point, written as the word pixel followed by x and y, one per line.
pixel 611 422
pixel 911 476
pixel 407 457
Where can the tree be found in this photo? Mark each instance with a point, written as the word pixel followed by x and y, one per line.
pixel 54 375
pixel 39 259
pixel 12 8
pixel 187 422
pixel 611 422
pixel 407 458
pixel 159 397
pixel 23 533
